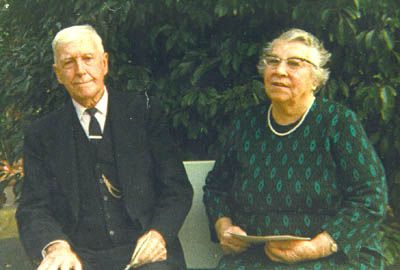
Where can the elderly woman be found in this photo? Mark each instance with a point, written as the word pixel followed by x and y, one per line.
pixel 297 165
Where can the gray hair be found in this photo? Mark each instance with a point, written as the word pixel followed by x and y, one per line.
pixel 73 33
pixel 321 72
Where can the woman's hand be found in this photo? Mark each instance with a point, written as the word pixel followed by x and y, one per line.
pixel 228 243
pixel 293 251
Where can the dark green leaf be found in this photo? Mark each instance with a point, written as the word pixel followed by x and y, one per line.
pixel 368 39
pixel 387 95
pixel 388 39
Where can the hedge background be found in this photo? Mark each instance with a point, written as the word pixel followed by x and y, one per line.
pixel 199 58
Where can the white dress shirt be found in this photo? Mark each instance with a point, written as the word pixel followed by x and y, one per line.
pixel 101 114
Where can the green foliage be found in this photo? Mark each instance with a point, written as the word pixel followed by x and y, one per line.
pixel 199 58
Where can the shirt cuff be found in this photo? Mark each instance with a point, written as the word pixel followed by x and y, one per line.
pixel 44 252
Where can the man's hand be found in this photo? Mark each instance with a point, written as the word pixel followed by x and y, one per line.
pixel 60 256
pixel 228 243
pixel 150 247
pixel 293 251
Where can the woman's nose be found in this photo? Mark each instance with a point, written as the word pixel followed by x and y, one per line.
pixel 281 68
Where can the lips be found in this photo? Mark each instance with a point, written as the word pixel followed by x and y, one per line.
pixel 279 84
pixel 78 83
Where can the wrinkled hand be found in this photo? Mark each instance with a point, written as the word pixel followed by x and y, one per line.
pixel 228 243
pixel 150 247
pixel 60 257
pixel 293 251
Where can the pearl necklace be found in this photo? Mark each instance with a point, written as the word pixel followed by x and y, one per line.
pixel 291 130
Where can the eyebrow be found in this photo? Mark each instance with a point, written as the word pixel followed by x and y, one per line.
pixel 69 57
pixel 65 59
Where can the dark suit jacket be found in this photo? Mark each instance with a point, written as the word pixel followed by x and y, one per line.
pixel 155 187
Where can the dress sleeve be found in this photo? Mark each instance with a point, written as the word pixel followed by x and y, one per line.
pixel 361 179
pixel 220 180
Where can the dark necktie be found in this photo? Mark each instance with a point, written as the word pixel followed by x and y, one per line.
pixel 94 126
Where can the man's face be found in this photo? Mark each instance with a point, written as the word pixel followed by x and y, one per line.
pixel 81 68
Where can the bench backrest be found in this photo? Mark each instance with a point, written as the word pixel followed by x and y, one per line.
pixel 200 251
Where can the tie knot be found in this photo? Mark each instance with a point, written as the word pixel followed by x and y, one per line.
pixel 91 111
pixel 94 126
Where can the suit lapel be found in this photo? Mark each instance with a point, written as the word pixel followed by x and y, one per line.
pixel 65 157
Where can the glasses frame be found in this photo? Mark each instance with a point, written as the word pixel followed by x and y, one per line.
pixel 280 60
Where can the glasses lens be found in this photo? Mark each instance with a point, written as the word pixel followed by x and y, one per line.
pixel 294 63
pixel 272 61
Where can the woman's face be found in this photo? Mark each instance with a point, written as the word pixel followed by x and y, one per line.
pixel 288 75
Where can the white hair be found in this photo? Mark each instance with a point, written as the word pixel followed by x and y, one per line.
pixel 73 33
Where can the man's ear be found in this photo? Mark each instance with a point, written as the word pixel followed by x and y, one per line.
pixel 105 62
pixel 57 72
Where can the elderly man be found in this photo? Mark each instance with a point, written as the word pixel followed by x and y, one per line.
pixel 103 184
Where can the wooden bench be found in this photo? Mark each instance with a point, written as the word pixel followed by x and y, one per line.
pixel 200 251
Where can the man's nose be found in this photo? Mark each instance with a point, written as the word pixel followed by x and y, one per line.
pixel 80 67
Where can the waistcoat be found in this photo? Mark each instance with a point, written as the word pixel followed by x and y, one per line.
pixel 103 221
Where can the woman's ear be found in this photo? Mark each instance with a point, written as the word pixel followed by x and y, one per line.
pixel 316 82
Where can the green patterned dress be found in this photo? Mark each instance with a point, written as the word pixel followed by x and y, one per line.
pixel 323 176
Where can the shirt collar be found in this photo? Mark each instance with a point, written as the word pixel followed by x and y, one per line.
pixel 101 106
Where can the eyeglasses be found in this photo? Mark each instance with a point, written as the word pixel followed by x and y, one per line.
pixel 293 63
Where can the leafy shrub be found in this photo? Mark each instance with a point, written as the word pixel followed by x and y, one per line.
pixel 199 58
